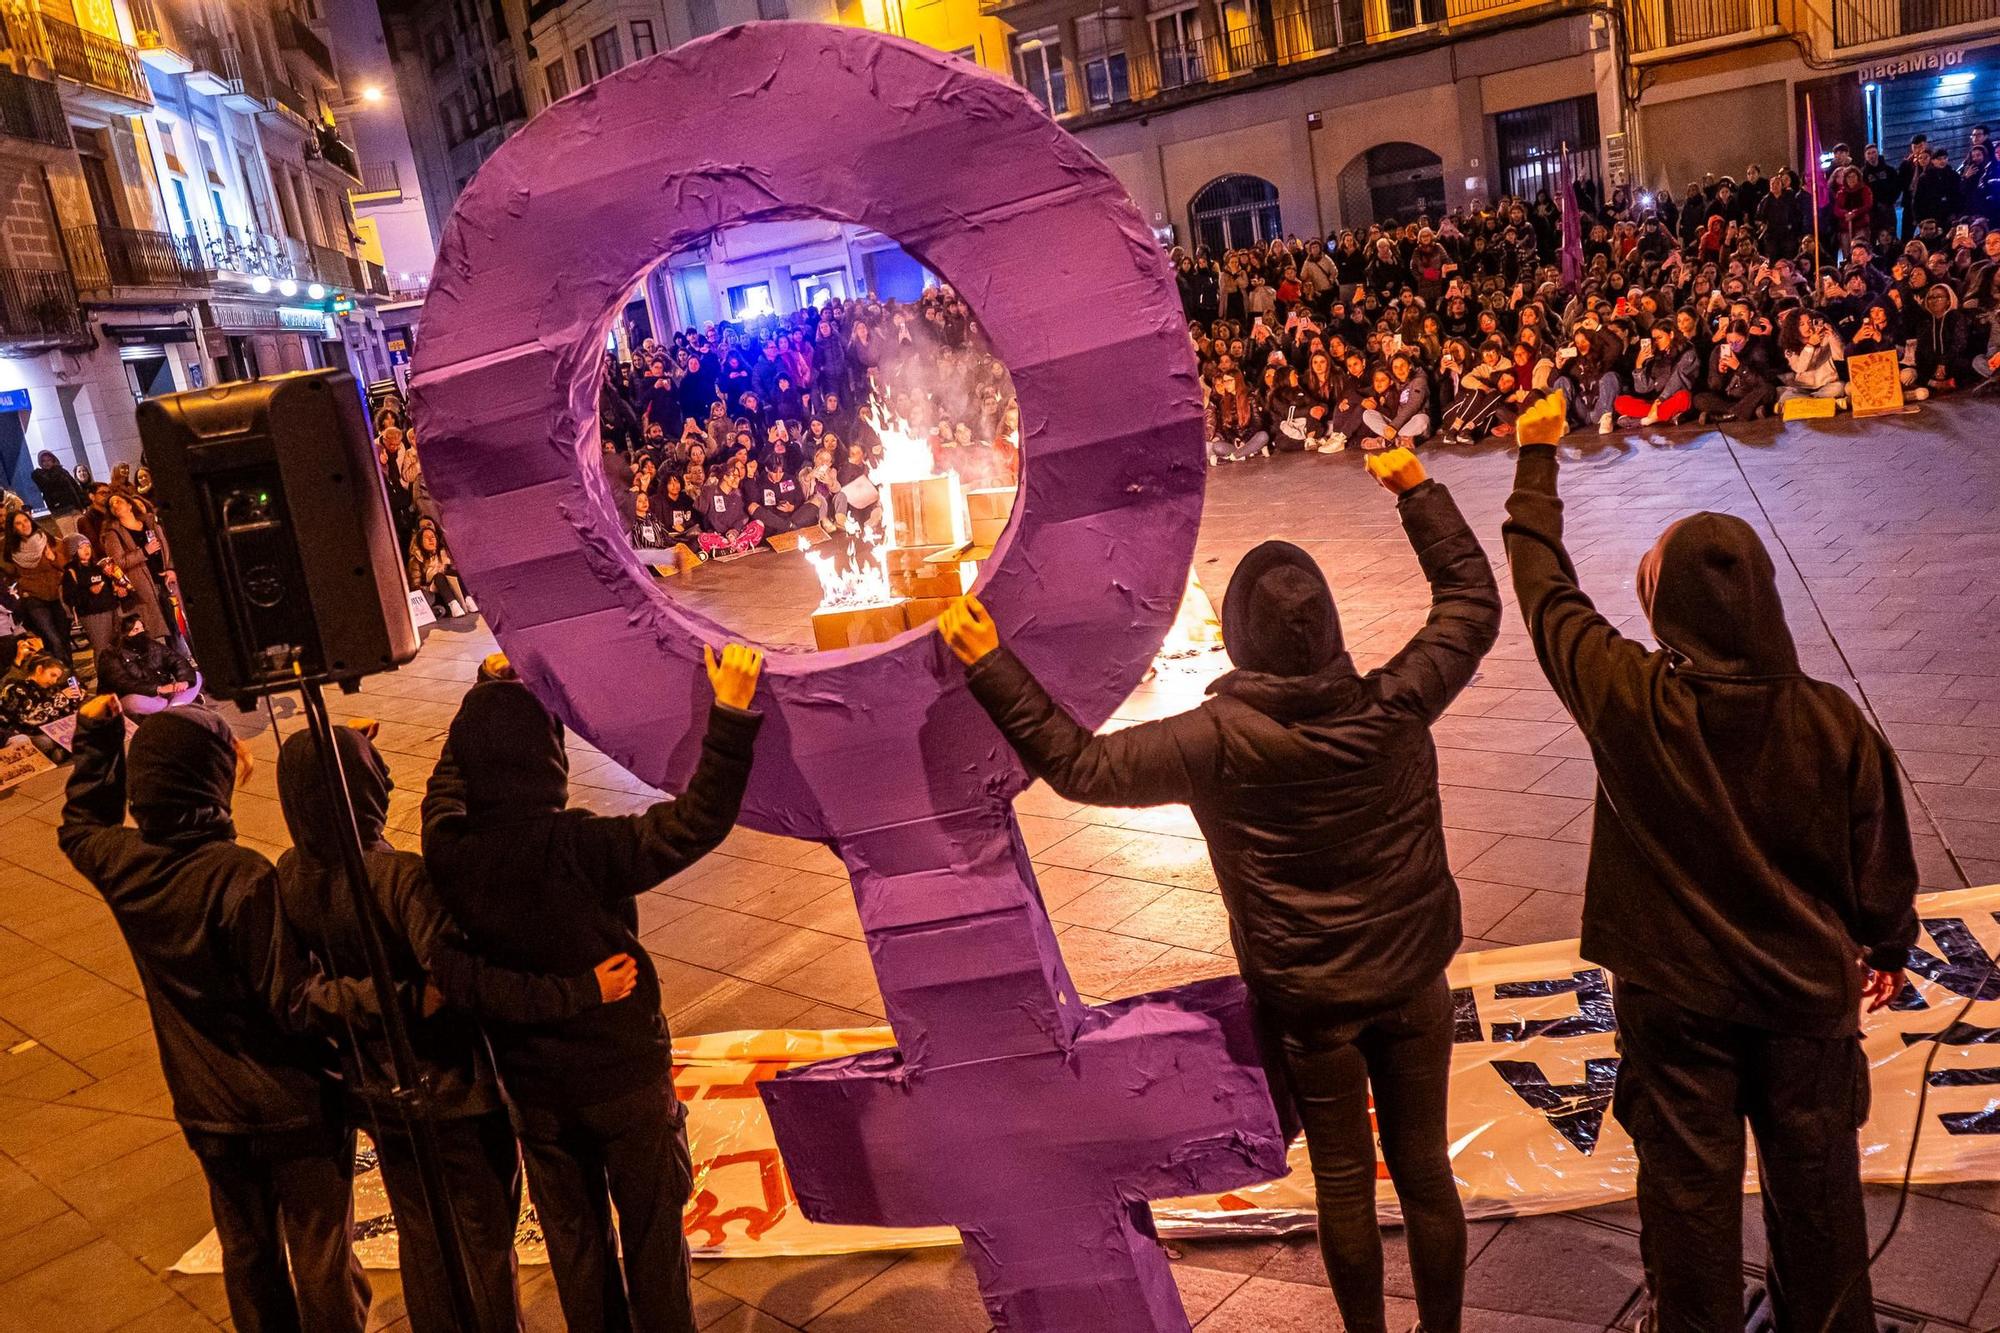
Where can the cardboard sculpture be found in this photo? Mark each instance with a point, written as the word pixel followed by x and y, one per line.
pixel 1037 1125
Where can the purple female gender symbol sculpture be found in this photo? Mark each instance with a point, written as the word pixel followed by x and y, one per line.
pixel 1036 1124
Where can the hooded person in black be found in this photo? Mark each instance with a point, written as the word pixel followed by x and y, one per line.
pixel 1751 879
pixel 229 999
pixel 1317 789
pixel 430 963
pixel 539 887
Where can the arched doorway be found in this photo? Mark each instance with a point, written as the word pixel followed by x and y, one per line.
pixel 1392 182
pixel 1233 213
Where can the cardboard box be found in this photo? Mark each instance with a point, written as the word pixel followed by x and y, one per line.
pixel 921 511
pixel 852 627
pixel 923 610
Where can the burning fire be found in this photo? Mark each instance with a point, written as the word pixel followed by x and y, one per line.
pixel 864 581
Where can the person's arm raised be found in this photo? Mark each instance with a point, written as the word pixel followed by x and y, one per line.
pixel 93 815
pixel 1154 763
pixel 629 855
pixel 1465 601
pixel 1580 652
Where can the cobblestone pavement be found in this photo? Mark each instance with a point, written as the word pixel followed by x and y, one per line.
pixel 1887 538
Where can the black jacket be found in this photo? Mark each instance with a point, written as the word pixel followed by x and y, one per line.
pixel 59 489
pixel 143 667
pixel 1749 843
pixel 421 941
pixel 1316 786
pixel 228 996
pixel 540 888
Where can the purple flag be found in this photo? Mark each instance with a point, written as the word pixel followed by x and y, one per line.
pixel 1815 173
pixel 1571 253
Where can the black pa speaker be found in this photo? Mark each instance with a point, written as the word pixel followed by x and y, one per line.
pixel 272 500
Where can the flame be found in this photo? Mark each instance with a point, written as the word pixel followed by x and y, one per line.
pixel 905 457
pixel 865 582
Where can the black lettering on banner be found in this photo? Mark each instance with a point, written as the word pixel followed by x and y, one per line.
pixel 1966 970
pixel 1575 1110
pixel 1985 1121
pixel 1464 1017
pixel 1593 1007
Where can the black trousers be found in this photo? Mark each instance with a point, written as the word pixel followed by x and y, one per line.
pixel 1686 1085
pixel 275 1196
pixel 1404 1055
pixel 631 1151
pixel 482 1170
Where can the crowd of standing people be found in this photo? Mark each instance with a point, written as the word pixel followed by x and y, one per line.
pixel 1717 305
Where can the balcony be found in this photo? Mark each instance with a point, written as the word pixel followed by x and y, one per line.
pixel 373 279
pixel 31 109
pixel 335 152
pixel 244 253
pixel 207 72
pixel 244 88
pixel 104 259
pixel 293 100
pixel 381 182
pixel 99 64
pixel 1659 25
pixel 294 35
pixel 39 309
pixel 1864 22
pixel 156 36
pixel 21 35
pixel 336 269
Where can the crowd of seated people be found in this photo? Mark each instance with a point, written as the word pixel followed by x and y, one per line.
pixel 720 439
pixel 1716 306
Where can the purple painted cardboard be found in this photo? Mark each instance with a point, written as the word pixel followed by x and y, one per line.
pixel 1036 1124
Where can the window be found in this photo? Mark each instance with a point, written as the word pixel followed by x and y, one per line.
pixel 1242 36
pixel 182 213
pixel 773 9
pixel 701 13
pixel 438 41
pixel 1100 40
pixel 259 208
pixel 1038 65
pixel 643 44
pixel 221 208
pixel 1177 43
pixel 582 58
pixel 605 48
pixel 558 77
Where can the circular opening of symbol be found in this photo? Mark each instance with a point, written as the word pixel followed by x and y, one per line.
pixel 807 434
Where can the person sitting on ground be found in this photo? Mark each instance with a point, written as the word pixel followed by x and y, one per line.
pixel 778 503
pixel 1751 884
pixel 1317 787
pixel 1665 373
pixel 147 674
pixel 731 529
pixel 1403 419
pixel 39 691
pixel 432 573
pixel 1812 349
pixel 1235 418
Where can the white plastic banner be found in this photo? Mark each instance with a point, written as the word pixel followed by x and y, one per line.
pixel 1530 1124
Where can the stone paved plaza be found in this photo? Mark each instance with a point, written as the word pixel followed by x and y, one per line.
pixel 1887 538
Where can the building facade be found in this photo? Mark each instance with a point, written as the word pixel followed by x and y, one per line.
pixel 176 214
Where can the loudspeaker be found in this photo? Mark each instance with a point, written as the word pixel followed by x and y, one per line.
pixel 274 505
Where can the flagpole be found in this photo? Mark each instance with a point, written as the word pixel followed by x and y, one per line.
pixel 1813 181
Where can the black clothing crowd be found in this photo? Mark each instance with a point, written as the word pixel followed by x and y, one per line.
pixel 1717 305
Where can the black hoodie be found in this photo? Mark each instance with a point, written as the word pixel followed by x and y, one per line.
pixel 227 993
pixel 541 888
pixel 422 942
pixel 1749 845
pixel 1316 786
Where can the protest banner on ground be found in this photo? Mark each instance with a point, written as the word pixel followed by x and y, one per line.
pixel 19 761
pixel 1530 1123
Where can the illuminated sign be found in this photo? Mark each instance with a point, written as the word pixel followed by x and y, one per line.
pixel 302 319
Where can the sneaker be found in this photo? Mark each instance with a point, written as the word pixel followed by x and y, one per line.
pixel 455 610
pixel 1918 394
pixel 471 606
pixel 1652 417
pixel 1840 404
pixel 1335 443
pixel 1605 424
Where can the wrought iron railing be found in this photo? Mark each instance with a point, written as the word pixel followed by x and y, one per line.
pixel 374 279
pixel 243 78
pixel 292 99
pixel 32 109
pixel 1294 32
pixel 251 253
pixel 334 268
pixel 21 32
pixel 294 35
pixel 336 152
pixel 380 178
pixel 104 258
pixel 1655 25
pixel 40 306
pixel 1859 22
pixel 96 61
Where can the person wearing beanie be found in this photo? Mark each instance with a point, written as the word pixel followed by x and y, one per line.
pixel 540 888
pixel 1317 788
pixel 232 1004
pixel 1751 884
